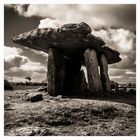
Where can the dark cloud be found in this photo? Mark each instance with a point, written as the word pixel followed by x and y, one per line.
pixel 18 73
pixel 35 56
pixel 117 15
pixel 15 24
pixel 128 61
pixel 17 61
pixel 123 16
pixel 18 65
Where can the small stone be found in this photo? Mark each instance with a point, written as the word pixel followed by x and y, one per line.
pixel 33 97
pixel 7 85
pixel 45 89
pixel 30 131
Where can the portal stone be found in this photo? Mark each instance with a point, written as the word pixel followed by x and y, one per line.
pixel 56 72
pixel 104 74
pixel 91 63
pixel 84 85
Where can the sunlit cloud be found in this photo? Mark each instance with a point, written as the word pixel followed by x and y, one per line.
pixel 17 65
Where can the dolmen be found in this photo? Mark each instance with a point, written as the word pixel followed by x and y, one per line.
pixel 70 47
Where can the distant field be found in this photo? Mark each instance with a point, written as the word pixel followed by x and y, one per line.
pixel 67 116
pixel 21 87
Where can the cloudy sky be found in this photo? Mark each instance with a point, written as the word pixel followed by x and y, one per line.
pixel 116 24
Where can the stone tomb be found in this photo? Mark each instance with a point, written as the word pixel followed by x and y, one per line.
pixel 69 47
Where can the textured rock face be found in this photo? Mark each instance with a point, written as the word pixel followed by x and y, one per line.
pixel 82 28
pixel 91 62
pixel 84 85
pixel 112 56
pixel 30 131
pixel 63 74
pixel 67 37
pixel 56 72
pixel 104 74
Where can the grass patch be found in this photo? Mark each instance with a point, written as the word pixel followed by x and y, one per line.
pixel 70 117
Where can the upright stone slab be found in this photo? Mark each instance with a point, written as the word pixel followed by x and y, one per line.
pixel 104 74
pixel 91 63
pixel 72 77
pixel 56 72
pixel 84 85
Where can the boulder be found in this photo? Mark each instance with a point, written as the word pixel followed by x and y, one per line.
pixel 82 28
pixel 30 131
pixel 7 85
pixel 33 97
pixel 44 88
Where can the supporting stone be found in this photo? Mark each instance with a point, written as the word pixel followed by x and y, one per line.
pixel 84 85
pixel 56 72
pixel 91 63
pixel 104 74
pixel 72 78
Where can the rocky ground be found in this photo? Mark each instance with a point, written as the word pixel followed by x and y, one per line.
pixel 57 116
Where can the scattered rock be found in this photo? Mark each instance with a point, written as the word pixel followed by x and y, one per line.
pixel 132 92
pixel 57 98
pixel 8 107
pixel 30 131
pixel 7 85
pixel 44 88
pixel 33 97
pixel 26 93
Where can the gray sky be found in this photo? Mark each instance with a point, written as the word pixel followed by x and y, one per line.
pixel 116 24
